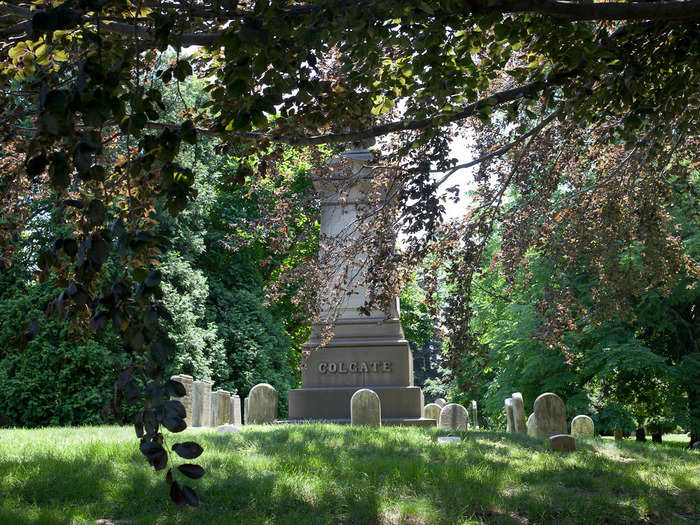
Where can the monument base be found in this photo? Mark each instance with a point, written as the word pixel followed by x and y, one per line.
pixel 333 403
pixel 388 422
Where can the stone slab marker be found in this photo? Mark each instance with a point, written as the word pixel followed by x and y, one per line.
pixel 509 415
pixel 582 426
pixel 550 415
pixel 475 419
pixel 186 400
pixel 221 407
pixel 531 429
pixel 365 408
pixel 453 417
pixel 519 422
pixel 562 443
pixel 201 404
pixel 235 414
pixel 432 411
pixel 262 404
pixel 441 402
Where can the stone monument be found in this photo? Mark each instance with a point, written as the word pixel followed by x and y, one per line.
pixel 365 408
pixel 365 351
pixel 550 415
pixel 262 403
pixel 582 426
pixel 519 421
pixel 432 411
pixel 510 426
pixel 201 403
pixel 186 400
pixel 453 417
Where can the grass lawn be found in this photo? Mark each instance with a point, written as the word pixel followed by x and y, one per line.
pixel 340 474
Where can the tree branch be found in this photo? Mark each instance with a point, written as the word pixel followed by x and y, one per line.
pixel 499 151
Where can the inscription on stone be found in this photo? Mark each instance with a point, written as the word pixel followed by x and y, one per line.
pixel 354 367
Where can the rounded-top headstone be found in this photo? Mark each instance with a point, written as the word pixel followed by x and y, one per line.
pixel 531 428
pixel 432 411
pixel 550 415
pixel 519 422
pixel 562 443
pixel 696 445
pixel 582 426
pixel 365 408
pixel 262 404
pixel 441 402
pixel 453 417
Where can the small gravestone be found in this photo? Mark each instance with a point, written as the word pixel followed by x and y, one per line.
pixel 262 404
pixel 365 408
pixel 509 415
pixel 220 408
pixel 186 400
pixel 453 417
pixel 562 443
pixel 550 415
pixel 441 402
pixel 432 411
pixel 582 426
pixel 475 419
pixel 519 422
pixel 531 429
pixel 696 445
pixel 228 429
pixel 235 414
pixel 201 404
pixel 448 439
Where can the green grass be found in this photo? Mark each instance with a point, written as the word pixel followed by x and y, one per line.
pixel 340 474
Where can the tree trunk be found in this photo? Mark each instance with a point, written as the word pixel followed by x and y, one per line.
pixel 656 437
pixel 694 413
pixel 641 435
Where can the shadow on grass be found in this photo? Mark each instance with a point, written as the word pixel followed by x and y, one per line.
pixel 330 474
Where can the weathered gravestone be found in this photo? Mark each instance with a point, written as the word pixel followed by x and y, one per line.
pixel 186 400
pixel 201 404
pixel 441 402
pixel 531 429
pixel 582 426
pixel 366 351
pixel 550 415
pixel 453 417
pixel 696 445
pixel 519 422
pixel 220 407
pixel 432 411
pixel 365 408
pixel 510 427
pixel 475 419
pixel 562 443
pixel 262 404
pixel 235 414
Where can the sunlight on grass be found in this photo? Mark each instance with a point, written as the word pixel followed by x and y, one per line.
pixel 343 474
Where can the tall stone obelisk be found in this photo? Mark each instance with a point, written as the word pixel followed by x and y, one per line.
pixel 366 351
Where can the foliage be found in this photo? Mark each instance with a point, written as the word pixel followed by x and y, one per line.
pixel 60 377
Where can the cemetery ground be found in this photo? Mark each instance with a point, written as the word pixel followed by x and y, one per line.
pixel 317 473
